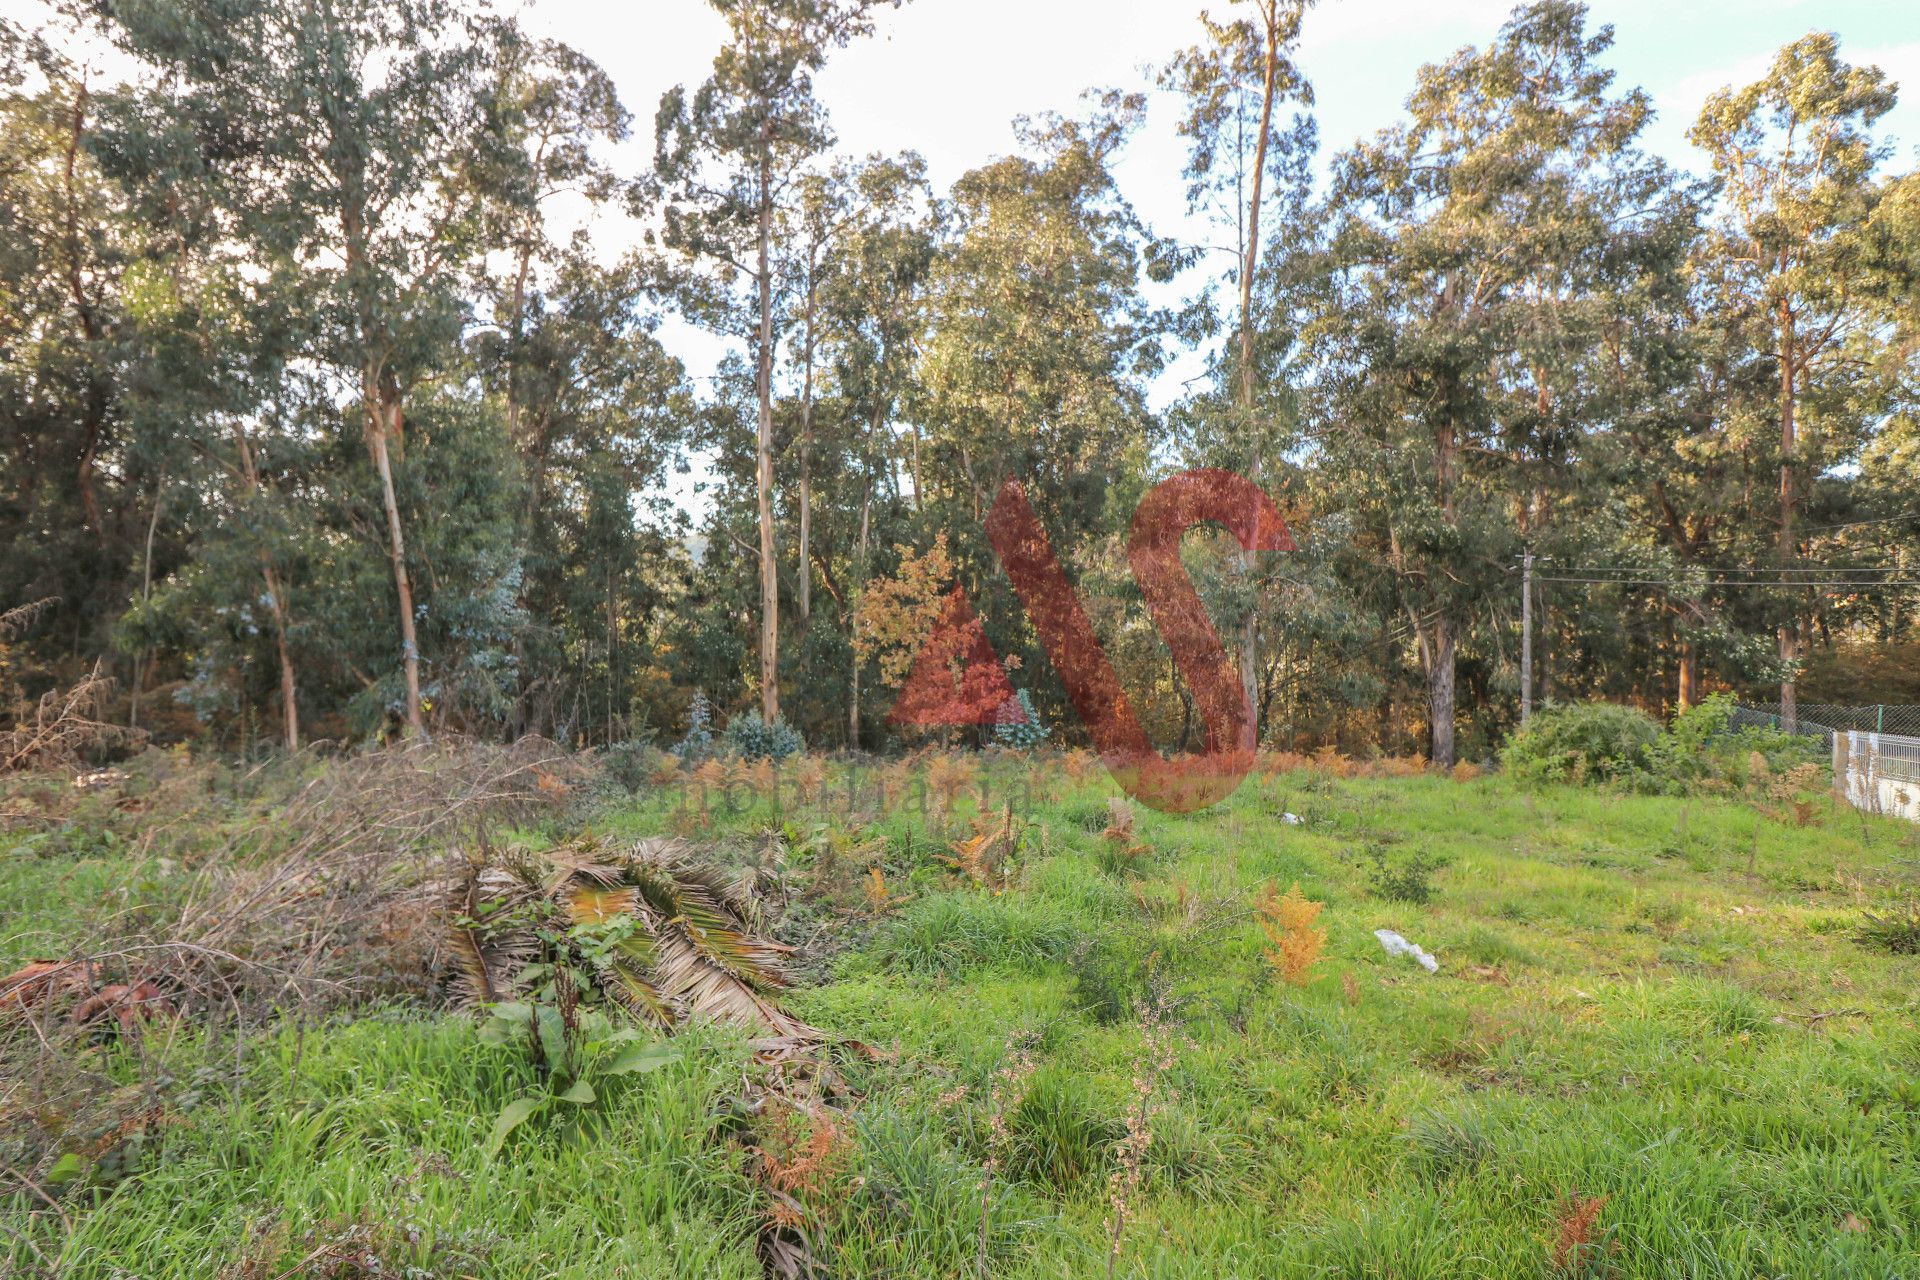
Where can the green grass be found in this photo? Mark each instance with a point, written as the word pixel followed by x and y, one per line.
pixel 1634 1001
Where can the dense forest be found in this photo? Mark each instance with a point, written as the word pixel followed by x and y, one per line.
pixel 318 419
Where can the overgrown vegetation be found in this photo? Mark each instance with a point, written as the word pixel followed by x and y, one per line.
pixel 1607 745
pixel 1175 1066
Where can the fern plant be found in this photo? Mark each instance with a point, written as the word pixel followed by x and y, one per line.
pixel 1293 944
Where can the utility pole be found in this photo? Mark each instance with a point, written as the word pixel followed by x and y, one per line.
pixel 1526 637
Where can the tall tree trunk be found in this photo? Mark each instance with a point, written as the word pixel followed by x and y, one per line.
pixel 143 663
pixel 1789 700
pixel 1436 655
pixel 918 490
pixel 94 416
pixel 1689 675
pixel 763 378
pixel 276 601
pixel 1250 625
pixel 1438 649
pixel 384 424
pixel 805 601
pixel 860 561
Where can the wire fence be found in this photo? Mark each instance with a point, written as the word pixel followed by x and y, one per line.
pixel 1875 767
pixel 1764 718
pixel 1822 717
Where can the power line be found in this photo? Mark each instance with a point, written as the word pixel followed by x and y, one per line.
pixel 1742 571
pixel 1726 582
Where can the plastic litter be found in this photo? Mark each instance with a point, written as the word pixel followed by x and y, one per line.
pixel 1292 819
pixel 1399 946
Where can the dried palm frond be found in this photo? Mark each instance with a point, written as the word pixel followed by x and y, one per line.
pixel 677 944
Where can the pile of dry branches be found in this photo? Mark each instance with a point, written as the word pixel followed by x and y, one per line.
pixel 325 888
pixel 65 726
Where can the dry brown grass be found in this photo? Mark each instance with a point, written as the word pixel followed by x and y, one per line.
pixel 312 885
pixel 1580 1248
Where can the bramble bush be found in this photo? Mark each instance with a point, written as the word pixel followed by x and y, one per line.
pixel 1584 742
pixel 1608 744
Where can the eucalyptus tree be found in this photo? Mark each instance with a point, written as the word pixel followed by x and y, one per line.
pixel 1232 84
pixel 1797 160
pixel 66 344
pixel 557 107
pixel 597 409
pixel 1436 386
pixel 729 157
pixel 1039 338
pixel 360 161
pixel 873 302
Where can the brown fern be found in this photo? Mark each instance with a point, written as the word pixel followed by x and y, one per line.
pixel 1294 945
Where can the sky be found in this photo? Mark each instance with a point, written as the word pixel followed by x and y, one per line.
pixel 946 78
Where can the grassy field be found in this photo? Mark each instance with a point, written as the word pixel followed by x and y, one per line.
pixel 1653 1048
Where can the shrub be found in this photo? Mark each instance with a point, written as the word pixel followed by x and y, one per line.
pixel 1587 742
pixel 1620 746
pixel 1701 747
pixel 751 738
pixel 1896 931
pixel 1017 725
pixel 1410 880
pixel 631 764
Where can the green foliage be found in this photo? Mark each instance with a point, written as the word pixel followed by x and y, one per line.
pixel 1446 1121
pixel 751 738
pixel 951 933
pixel 1061 1132
pixel 579 1052
pixel 1895 929
pixel 1449 1144
pixel 1018 724
pixel 1597 742
pixel 1108 980
pixel 1604 744
pixel 631 763
pixel 1406 879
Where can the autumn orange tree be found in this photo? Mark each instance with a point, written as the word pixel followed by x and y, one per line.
pixel 896 615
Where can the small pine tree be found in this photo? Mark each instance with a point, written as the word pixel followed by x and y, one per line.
pixel 1017 725
pixel 698 744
